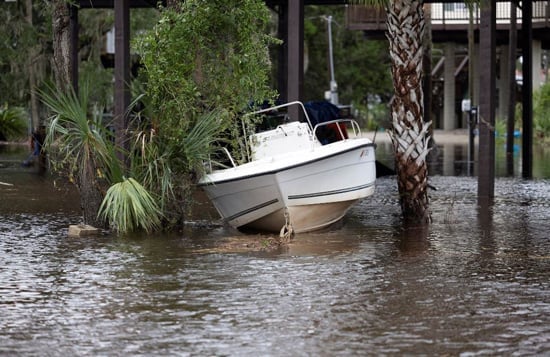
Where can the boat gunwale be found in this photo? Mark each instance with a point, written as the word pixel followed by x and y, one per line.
pixel 275 171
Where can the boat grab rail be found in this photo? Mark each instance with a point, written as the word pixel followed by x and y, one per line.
pixel 354 126
pixel 228 154
pixel 296 102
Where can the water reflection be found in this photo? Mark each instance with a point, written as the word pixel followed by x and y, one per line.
pixel 412 240
pixel 451 158
pixel 476 281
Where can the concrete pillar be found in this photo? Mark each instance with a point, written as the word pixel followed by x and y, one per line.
pixel 503 84
pixel 537 64
pixel 449 116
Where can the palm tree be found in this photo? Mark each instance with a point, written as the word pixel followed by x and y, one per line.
pixel 81 147
pixel 409 133
pixel 62 64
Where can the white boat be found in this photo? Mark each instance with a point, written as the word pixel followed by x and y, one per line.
pixel 292 182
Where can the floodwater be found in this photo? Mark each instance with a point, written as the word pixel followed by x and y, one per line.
pixel 475 282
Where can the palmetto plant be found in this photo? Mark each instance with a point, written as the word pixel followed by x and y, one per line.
pixel 409 132
pixel 80 146
pixel 76 135
pixel 168 160
pixel 129 206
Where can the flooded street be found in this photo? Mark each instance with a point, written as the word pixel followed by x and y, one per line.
pixel 475 282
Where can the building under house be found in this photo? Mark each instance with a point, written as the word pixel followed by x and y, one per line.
pixel 449 26
pixel 449 23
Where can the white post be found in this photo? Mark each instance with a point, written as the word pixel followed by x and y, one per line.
pixel 333 92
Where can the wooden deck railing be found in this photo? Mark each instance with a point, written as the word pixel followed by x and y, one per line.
pixel 453 16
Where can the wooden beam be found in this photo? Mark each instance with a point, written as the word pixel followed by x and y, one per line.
pixel 109 4
pixel 295 54
pixel 512 56
pixel 527 90
pixel 122 72
pixel 487 61
pixel 282 64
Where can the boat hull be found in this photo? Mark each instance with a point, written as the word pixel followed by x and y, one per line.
pixel 309 189
pixel 304 218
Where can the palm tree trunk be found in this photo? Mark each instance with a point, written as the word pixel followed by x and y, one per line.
pixel 61 45
pixel 90 195
pixel 33 52
pixel 88 187
pixel 409 133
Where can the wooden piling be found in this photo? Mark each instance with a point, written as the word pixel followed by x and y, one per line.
pixel 487 55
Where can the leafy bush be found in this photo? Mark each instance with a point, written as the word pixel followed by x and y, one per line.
pixel 541 112
pixel 13 122
pixel 203 66
pixel 500 129
pixel 210 55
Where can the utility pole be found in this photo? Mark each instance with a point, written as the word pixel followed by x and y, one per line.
pixel 332 94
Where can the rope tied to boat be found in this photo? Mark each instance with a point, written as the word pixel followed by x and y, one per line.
pixel 287 232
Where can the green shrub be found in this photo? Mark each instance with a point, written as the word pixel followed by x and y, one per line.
pixel 210 56
pixel 203 66
pixel 13 122
pixel 541 112
pixel 500 129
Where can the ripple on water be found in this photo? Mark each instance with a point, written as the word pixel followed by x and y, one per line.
pixel 477 284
